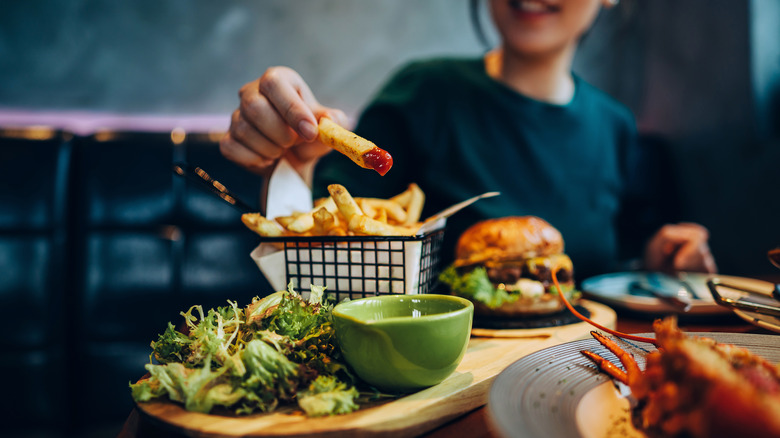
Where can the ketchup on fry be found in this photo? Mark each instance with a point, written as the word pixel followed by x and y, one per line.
pixel 379 160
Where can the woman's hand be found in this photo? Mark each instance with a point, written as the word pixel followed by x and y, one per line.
pixel 277 117
pixel 680 247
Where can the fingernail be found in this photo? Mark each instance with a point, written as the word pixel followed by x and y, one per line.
pixel 307 130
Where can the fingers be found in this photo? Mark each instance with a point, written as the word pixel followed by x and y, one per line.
pixel 309 151
pixel 674 235
pixel 291 98
pixel 680 247
pixel 257 111
pixel 276 117
pixel 238 152
pixel 694 256
pixel 294 102
pixel 336 115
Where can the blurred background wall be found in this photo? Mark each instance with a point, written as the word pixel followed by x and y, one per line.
pixel 185 56
pixel 704 74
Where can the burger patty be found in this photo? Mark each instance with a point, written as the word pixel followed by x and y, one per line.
pixel 539 269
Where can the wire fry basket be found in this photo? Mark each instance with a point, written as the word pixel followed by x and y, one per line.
pixel 356 266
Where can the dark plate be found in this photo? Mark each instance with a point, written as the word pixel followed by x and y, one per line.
pixel 540 395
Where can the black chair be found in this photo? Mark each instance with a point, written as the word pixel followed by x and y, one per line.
pixel 34 279
pixel 148 245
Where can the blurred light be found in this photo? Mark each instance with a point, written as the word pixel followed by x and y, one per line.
pixel 178 135
pixel 30 133
pixel 170 232
pixel 215 136
pixel 105 135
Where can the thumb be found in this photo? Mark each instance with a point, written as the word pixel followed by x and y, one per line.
pixel 334 114
pixel 312 150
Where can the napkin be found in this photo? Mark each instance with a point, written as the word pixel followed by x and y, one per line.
pixel 287 192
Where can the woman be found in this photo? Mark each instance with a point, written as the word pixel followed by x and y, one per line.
pixel 516 121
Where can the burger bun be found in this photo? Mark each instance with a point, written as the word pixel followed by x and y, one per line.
pixel 507 238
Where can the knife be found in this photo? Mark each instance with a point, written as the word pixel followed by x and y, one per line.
pixel 679 302
pixel 433 222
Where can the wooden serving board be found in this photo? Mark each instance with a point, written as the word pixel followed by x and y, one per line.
pixel 488 353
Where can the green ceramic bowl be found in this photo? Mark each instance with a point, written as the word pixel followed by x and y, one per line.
pixel 402 343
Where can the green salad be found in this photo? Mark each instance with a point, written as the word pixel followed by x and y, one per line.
pixel 278 350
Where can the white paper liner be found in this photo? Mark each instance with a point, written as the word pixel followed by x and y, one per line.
pixel 367 267
pixel 287 192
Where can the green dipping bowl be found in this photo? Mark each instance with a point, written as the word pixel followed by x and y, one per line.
pixel 403 343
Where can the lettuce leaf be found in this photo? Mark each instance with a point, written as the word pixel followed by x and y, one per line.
pixel 171 346
pixel 252 359
pixel 304 329
pixel 328 396
pixel 199 389
pixel 270 377
pixel 476 286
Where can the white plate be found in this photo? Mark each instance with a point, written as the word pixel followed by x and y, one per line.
pixel 764 321
pixel 613 289
pixel 763 288
pixel 557 392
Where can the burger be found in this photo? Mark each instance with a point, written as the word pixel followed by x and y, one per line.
pixel 505 265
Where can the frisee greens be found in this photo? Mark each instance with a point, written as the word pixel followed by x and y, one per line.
pixel 327 396
pixel 279 349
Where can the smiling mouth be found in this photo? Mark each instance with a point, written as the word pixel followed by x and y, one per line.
pixel 532 6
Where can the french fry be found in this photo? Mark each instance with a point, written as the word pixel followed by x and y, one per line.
pixel 381 216
pixel 409 230
pixel 365 225
pixel 393 209
pixel 361 151
pixel 303 223
pixel 324 221
pixel 327 203
pixel 344 201
pixel 404 197
pixel 285 221
pixel 260 225
pixel 366 208
pixel 415 206
pixel 337 231
pixel 342 215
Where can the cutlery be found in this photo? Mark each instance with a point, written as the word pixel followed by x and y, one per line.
pixel 432 222
pixel 755 302
pixel 676 300
pixel 774 257
pixel 211 185
pixel 666 283
pixel 682 278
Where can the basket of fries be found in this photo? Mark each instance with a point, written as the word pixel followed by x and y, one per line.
pixel 356 247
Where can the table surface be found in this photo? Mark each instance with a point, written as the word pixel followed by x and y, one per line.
pixel 475 423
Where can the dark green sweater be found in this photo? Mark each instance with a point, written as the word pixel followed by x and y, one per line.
pixel 457 133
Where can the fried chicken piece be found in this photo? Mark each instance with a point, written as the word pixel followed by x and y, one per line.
pixel 693 386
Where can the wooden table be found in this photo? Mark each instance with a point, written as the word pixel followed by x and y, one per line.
pixel 476 423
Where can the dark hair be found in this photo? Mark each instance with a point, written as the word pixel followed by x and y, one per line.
pixel 476 23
